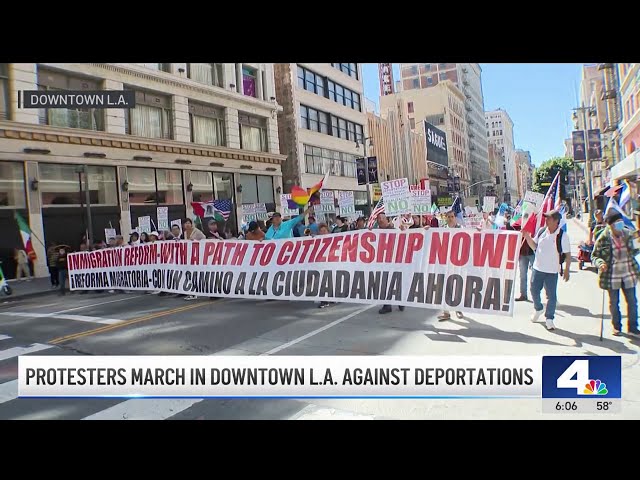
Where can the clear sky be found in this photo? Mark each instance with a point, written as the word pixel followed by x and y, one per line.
pixel 538 97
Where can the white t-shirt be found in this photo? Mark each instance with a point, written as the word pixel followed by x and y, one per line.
pixel 547 259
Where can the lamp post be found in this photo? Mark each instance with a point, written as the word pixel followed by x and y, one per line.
pixel 366 166
pixel 587 165
pixel 84 169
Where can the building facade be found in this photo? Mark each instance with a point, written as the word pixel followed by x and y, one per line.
pixel 402 152
pixel 443 107
pixel 630 97
pixel 496 162
pixel 322 125
pixel 591 88
pixel 198 132
pixel 499 131
pixel 525 172
pixel 468 78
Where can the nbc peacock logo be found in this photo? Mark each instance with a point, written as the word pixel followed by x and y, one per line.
pixel 595 387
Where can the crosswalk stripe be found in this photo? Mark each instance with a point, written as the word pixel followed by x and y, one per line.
pixel 77 318
pixel 4 337
pixel 144 409
pixel 8 391
pixel 17 351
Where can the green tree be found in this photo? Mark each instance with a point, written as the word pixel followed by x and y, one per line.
pixel 546 172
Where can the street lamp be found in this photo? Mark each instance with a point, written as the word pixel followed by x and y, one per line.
pixel 80 169
pixel 587 166
pixel 366 166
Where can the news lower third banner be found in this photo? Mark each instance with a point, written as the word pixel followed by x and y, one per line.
pixel 459 269
pixel 376 376
pixel 75 99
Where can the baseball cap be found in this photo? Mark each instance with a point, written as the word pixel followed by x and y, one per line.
pixel 555 214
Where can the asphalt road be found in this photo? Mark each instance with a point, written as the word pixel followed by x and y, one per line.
pixel 141 324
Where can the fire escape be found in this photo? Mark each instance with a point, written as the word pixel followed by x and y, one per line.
pixel 612 98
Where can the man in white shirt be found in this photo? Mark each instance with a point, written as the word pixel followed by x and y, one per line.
pixel 547 263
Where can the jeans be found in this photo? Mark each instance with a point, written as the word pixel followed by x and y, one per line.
pixel 550 283
pixel 525 262
pixel 62 279
pixel 632 308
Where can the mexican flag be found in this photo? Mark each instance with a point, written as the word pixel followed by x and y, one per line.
pixel 25 233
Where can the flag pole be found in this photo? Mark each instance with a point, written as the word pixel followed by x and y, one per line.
pixel 15 217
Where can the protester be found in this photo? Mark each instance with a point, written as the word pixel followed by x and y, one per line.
pixel 341 225
pixel 525 261
pixel 280 229
pixel 254 232
pixel 614 255
pixel 385 224
pixel 213 230
pixel 451 222
pixel 62 268
pixel 134 238
pixel 175 231
pixel 191 232
pixel 598 226
pixel 549 253
pixel 144 238
pixel 360 223
pixel 486 223
pixel 22 264
pixel 52 263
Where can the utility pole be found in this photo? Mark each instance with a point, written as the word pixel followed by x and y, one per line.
pixel 587 163
pixel 366 169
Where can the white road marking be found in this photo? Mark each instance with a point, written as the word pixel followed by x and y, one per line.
pixel 128 297
pixel 77 318
pixel 4 337
pixel 315 412
pixel 8 391
pixel 317 331
pixel 17 351
pixel 144 409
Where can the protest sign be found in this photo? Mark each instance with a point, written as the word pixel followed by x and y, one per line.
pixel 285 211
pixel 465 270
pixel 488 204
pixel 163 218
pixel 347 203
pixel 535 198
pixel 327 203
pixel 420 202
pixel 397 197
pixel 254 211
pixel 144 224
pixel 109 233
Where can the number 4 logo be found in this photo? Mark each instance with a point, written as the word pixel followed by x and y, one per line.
pixel 578 369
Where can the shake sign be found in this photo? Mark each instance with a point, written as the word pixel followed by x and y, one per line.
pixel 397 197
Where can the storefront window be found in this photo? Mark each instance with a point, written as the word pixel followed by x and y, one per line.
pixel 142 185
pixel 169 187
pixel 59 184
pixel 202 186
pixel 102 186
pixel 12 192
pixel 257 189
pixel 224 185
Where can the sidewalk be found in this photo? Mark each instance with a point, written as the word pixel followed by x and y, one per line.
pixel 27 289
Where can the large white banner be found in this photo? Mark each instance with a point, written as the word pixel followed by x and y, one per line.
pixel 465 270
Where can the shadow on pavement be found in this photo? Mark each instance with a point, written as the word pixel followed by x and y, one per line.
pixel 578 311
pixel 475 329
pixel 581 338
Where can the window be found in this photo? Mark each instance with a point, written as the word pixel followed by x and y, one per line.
pixel 249 77
pixel 207 124
pixel 319 121
pixel 257 189
pixel 208 186
pixel 150 186
pixel 413 70
pixel 351 128
pixel 317 159
pixel 4 91
pixel 331 87
pixel 86 118
pixel 207 73
pixel 151 118
pixel 410 107
pixel 12 185
pixel 342 128
pixel 61 184
pixel 412 123
pixel 427 67
pixel 415 83
pixel 323 119
pixel 442 76
pixel 340 94
pixel 163 67
pixel 253 133
pixel 350 69
pixel 359 133
pixel 311 82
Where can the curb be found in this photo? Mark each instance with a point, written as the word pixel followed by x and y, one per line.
pixel 24 296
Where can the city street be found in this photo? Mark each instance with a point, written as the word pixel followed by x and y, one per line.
pixel 143 324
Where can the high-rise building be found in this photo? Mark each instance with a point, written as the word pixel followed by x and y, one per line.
pixel 496 162
pixel 322 125
pixel 401 151
pixel 499 131
pixel 199 131
pixel 630 93
pixel 568 148
pixel 525 171
pixel 443 107
pixel 468 78
pixel 591 87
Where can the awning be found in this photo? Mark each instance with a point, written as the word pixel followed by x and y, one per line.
pixel 627 167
